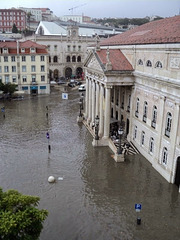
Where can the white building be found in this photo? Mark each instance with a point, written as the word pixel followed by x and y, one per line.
pixel 134 77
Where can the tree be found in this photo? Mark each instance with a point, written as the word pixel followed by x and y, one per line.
pixel 19 217
pixel 8 88
pixel 14 29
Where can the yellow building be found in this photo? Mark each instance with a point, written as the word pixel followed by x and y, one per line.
pixel 25 64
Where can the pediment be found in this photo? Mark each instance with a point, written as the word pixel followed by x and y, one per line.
pixel 94 64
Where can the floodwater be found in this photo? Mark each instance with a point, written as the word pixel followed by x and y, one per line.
pixel 95 197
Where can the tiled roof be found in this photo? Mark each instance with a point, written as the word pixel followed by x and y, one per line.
pixel 12 46
pixel 117 59
pixel 166 30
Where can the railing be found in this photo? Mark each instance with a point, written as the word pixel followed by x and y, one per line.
pixel 144 118
pixel 137 114
pixel 167 132
pixel 153 124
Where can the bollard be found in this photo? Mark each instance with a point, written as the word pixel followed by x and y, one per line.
pixel 138 221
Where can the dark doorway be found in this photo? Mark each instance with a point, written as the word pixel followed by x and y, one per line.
pixel 177 176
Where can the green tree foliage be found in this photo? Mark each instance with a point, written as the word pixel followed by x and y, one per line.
pixel 20 219
pixel 14 29
pixel 8 88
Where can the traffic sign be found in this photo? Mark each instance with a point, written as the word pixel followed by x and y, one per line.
pixel 138 207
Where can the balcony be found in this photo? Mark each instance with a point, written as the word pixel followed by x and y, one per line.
pixel 153 123
pixel 137 114
pixel 167 132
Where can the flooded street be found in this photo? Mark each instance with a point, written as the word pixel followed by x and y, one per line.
pixel 97 196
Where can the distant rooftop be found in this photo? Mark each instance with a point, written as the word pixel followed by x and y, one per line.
pixel 166 30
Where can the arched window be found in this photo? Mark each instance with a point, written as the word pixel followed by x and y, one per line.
pixel 149 63
pixel 164 156
pixel 142 138
pixel 55 59
pixel 151 145
pixel 140 62
pixel 74 59
pixel 154 117
pixel 168 124
pixel 137 108
pixel 79 58
pixel 158 64
pixel 68 59
pixel 145 111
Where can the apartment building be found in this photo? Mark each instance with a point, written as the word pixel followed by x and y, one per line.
pixel 25 64
pixel 8 17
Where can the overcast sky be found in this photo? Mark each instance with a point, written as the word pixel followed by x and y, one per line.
pixel 102 8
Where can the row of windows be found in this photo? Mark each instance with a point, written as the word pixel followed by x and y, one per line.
pixel 74 47
pixel 24 68
pixel 24 78
pixel 12 13
pixel 164 157
pixel 122 101
pixel 11 18
pixel 23 58
pixel 73 59
pixel 148 63
pixel 154 117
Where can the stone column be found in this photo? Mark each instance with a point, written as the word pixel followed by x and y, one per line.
pixel 87 98
pixel 132 111
pixel 93 103
pixel 101 115
pixel 107 114
pixel 90 103
pixel 97 99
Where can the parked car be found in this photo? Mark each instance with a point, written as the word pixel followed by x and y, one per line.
pixel 71 84
pixel 82 87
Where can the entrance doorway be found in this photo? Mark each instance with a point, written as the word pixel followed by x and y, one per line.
pixel 177 176
pixel 127 126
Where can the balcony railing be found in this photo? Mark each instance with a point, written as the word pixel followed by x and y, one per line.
pixel 137 114
pixel 153 124
pixel 167 132
pixel 144 118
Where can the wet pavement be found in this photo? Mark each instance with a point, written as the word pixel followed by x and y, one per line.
pixel 97 196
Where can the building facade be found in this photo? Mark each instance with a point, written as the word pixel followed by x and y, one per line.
pixel 134 78
pixel 67 52
pixel 9 17
pixel 25 64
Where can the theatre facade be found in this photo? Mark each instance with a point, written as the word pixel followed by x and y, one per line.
pixel 133 80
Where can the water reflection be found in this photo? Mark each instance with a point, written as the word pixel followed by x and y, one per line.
pixel 95 199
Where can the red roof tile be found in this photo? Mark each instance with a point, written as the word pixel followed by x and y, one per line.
pixel 166 30
pixel 12 46
pixel 118 60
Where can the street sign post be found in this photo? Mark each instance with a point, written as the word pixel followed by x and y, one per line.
pixel 138 208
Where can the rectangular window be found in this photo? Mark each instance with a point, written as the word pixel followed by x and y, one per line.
pixel 32 50
pixel 42 58
pixel 79 48
pixel 24 78
pixel 6 78
pixel 33 68
pixel 74 48
pixel 13 79
pixel 55 47
pixel 23 68
pixel 13 58
pixel 33 58
pixel 42 78
pixel 22 50
pixel 33 78
pixel 5 50
pixel 68 48
pixel 13 68
pixel 42 68
pixel 5 58
pixel 6 69
pixel 23 58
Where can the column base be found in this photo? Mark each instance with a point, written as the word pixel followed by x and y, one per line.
pixel 79 119
pixel 119 157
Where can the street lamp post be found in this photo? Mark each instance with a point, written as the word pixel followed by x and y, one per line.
pixel 120 132
pixel 96 127
pixel 80 107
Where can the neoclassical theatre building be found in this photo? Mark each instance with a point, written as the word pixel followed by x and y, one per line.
pixel 134 77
